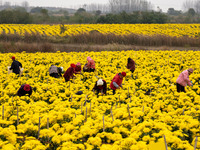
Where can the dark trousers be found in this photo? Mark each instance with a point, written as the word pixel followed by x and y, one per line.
pixel 55 75
pixel 92 70
pixel 180 88
pixel 114 92
pixel 66 80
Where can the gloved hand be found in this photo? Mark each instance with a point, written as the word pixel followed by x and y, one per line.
pixel 191 83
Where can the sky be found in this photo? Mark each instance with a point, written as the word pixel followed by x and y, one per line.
pixel 163 4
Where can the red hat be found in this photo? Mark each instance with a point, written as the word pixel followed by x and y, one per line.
pixel 13 57
pixel 123 74
pixel 73 65
pixel 27 87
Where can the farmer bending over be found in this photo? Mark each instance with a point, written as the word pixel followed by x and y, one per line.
pixel 24 89
pixel 183 80
pixel 78 68
pixel 55 71
pixel 100 87
pixel 117 81
pixel 90 65
pixel 131 65
pixel 69 74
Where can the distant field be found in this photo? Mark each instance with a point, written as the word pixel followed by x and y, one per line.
pixel 177 30
pixel 51 38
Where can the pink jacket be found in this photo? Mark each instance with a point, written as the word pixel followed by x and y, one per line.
pixel 91 64
pixel 183 79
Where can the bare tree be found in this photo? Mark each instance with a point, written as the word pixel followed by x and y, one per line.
pixel 188 4
pixel 94 7
pixel 25 4
pixel 197 6
pixel 117 6
pixel 7 4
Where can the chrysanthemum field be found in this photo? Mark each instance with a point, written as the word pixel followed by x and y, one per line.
pixel 54 117
pixel 173 30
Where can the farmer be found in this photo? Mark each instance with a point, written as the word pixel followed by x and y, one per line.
pixel 183 80
pixel 100 87
pixel 24 89
pixel 69 74
pixel 131 65
pixel 15 66
pixel 90 65
pixel 78 68
pixel 117 81
pixel 55 71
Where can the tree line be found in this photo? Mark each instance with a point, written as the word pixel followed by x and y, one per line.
pixel 39 15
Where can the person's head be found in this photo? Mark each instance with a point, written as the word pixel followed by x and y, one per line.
pixel 13 57
pixel 190 71
pixel 73 65
pixel 89 58
pixel 100 82
pixel 123 74
pixel 78 64
pixel 129 59
pixel 27 87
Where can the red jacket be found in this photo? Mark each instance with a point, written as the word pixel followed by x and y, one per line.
pixel 116 79
pixel 69 73
pixel 131 65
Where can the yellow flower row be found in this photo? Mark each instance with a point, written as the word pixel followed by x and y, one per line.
pixel 174 30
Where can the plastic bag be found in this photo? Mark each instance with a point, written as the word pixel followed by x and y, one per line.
pixel 9 71
pixel 21 71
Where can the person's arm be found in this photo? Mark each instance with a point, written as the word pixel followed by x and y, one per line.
pixel 19 92
pixel 12 66
pixel 128 66
pixel 71 73
pixel 59 71
pixel 185 77
pixel 30 92
pixel 133 65
pixel 20 64
pixel 104 87
pixel 115 85
pixel 88 64
pixel 49 70
pixel 65 74
pixel 95 87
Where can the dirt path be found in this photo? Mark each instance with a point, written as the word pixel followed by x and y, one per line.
pixel 116 47
pixel 52 47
